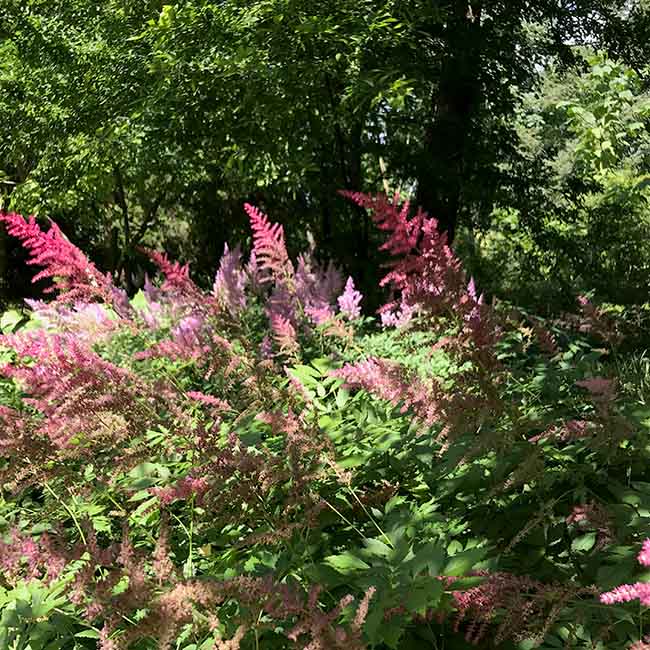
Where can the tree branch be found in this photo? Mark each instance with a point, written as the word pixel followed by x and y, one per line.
pixel 149 220
pixel 120 199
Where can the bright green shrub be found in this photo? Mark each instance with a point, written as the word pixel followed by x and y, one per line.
pixel 579 219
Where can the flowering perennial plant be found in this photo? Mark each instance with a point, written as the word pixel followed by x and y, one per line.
pixel 75 276
pixel 638 591
pixel 250 467
pixel 230 282
pixel 350 300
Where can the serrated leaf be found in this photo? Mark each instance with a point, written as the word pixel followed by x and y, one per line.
pixel 352 461
pixel 373 621
pixel 430 556
pixel 391 634
pixel 322 365
pixel 305 372
pixel 342 397
pixel 422 595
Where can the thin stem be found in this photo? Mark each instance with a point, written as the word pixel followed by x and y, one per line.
pixel 68 510
pixel 377 526
pixel 191 559
pixel 257 638
pixel 190 534
pixel 347 521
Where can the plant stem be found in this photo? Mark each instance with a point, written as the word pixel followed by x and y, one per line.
pixel 68 510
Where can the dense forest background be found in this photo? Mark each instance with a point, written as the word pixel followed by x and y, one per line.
pixel 521 126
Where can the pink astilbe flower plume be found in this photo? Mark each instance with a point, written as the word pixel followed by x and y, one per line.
pixel 546 339
pixel 331 281
pixel 404 231
pixel 118 563
pixel 177 275
pixel 230 281
pixel 426 276
pixel 313 290
pixel 269 247
pixel 208 400
pixel 298 298
pixel 626 593
pixel 404 242
pixel 282 302
pixel 190 339
pixel 89 321
pixel 637 591
pixel 74 276
pixel 350 301
pixel 519 607
pixel 163 566
pixel 312 628
pixel 567 431
pixel 184 489
pixel 189 330
pixel 600 388
pixel 83 405
pixel 253 274
pixel 393 383
pixel 644 556
pixel 397 315
pixel 193 340
pixel 284 334
pixel 593 320
pixel 23 556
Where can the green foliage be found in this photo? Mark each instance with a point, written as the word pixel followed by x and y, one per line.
pixel 400 517
pixel 585 223
pixel 139 123
pixel 38 617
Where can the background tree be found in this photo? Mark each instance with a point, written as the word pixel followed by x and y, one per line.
pixel 139 123
pixel 583 222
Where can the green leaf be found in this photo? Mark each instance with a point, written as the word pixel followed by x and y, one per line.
pixel 584 542
pixel 374 620
pixel 462 563
pixel 305 372
pixel 353 461
pixel 377 548
pixel 10 320
pixel 323 365
pixel 342 397
pixel 391 634
pixel 430 556
pixel 346 562
pixel 139 301
pixel 423 594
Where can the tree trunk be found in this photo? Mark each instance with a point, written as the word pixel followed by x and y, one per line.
pixel 453 104
pixel 356 185
pixel 120 198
